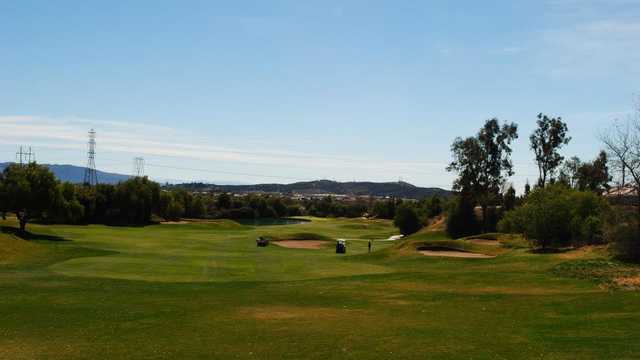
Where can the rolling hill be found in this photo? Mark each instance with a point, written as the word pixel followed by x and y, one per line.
pixel 392 189
pixel 75 174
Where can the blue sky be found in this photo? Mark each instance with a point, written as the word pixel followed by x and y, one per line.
pixel 279 91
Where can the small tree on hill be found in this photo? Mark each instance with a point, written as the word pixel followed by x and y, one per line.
pixel 30 190
pixel 407 220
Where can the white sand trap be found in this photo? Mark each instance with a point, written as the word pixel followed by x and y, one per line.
pixel 301 244
pixel 454 254
pixel 485 242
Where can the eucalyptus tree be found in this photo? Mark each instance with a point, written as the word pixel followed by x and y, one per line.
pixel 483 163
pixel 546 141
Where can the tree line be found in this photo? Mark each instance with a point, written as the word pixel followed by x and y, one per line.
pixel 33 193
pixel 566 206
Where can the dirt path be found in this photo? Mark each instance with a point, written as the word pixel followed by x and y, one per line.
pixel 455 254
pixel 301 244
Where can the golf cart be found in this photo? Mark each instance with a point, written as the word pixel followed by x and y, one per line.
pixel 262 242
pixel 341 246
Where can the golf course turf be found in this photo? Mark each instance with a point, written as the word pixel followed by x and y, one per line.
pixel 205 290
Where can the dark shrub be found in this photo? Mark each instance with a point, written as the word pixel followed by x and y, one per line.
pixel 407 220
pixel 461 219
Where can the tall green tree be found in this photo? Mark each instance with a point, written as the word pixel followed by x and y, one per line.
pixel 134 201
pixel 527 189
pixel 546 141
pixel 509 199
pixel 223 201
pixel 483 163
pixel 31 191
pixel 569 172
pixel 594 176
pixel 3 198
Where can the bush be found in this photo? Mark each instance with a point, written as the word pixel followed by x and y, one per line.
pixel 513 222
pixel 174 211
pixel 294 210
pixel 557 216
pixel 621 229
pixel 407 220
pixel 241 213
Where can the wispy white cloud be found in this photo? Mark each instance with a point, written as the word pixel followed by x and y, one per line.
pixel 150 140
pixel 591 38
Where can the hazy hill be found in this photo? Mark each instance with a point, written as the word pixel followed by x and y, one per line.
pixel 396 189
pixel 75 174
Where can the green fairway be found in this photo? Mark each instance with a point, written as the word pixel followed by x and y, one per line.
pixel 205 290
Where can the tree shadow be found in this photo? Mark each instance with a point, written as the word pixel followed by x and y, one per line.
pixel 30 236
pixel 551 250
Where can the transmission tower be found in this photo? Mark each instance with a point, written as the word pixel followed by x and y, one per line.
pixel 138 167
pixel 23 155
pixel 90 175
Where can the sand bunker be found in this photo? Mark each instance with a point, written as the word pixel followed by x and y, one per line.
pixel 485 242
pixel 301 244
pixel 454 254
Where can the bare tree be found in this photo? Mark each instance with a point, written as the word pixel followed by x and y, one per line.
pixel 622 143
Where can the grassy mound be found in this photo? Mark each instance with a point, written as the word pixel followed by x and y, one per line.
pixel 608 273
pixel 434 240
pixel 14 250
pixel 36 250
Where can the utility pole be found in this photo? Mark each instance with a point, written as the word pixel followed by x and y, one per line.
pixel 90 174
pixel 23 155
pixel 138 167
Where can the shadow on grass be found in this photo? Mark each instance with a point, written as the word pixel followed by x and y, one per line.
pixel 30 236
pixel 551 250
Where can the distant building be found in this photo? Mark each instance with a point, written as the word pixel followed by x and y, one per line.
pixel 622 195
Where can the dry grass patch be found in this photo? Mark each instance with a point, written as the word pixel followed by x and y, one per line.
pixel 482 290
pixel 454 254
pixel 439 224
pixel 628 283
pixel 484 242
pixel 282 312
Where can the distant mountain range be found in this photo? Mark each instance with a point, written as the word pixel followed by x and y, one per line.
pixel 75 174
pixel 392 189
